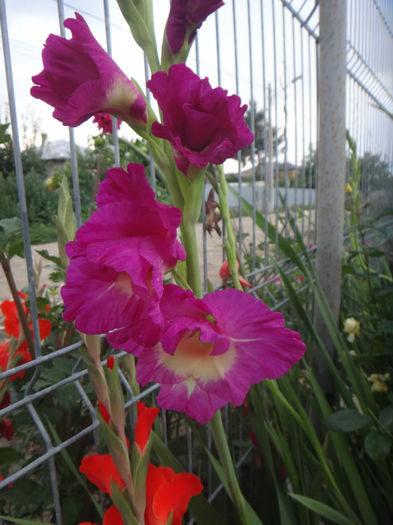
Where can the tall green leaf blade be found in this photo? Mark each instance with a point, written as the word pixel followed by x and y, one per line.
pixel 23 522
pixel 323 510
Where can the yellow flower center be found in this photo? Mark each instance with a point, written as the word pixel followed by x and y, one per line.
pixel 193 361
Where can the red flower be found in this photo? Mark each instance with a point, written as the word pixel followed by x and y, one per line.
pixel 166 492
pixel 100 469
pixel 6 428
pixel 225 274
pixel 22 352
pixel 10 484
pixel 104 122
pixel 11 321
pixel 110 362
pixel 104 413
pixel 6 400
pixel 112 517
pixel 146 417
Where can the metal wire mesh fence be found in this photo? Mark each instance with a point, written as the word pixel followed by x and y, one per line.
pixel 266 51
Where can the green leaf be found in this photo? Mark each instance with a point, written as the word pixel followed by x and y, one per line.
pixel 121 501
pixel 348 269
pixel 9 455
pixel 23 522
pixel 11 237
pixel 46 255
pixel 347 420
pixel 386 325
pixel 322 510
pixel 377 445
pixel 70 464
pixel 386 417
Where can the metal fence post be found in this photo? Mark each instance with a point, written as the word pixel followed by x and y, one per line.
pixel 331 162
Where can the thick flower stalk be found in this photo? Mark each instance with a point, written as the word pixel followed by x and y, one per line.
pixel 118 260
pixel 80 79
pixel 185 17
pixel 213 349
pixel 203 125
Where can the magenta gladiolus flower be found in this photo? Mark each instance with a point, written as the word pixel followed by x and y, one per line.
pixel 80 79
pixel 203 124
pixel 114 280
pixel 213 349
pixel 185 17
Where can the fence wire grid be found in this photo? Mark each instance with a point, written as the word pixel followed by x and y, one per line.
pixel 266 51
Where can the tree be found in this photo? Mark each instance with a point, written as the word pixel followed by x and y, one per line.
pixel 259 133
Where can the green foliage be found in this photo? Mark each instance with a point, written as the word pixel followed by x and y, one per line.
pixel 10 237
pixel 337 451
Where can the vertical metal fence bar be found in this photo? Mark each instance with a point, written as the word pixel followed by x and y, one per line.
pixel 285 89
pixel 74 163
pixel 266 203
pixel 275 139
pixel 51 463
pixel 311 153
pixel 239 167
pixel 303 130
pixel 115 134
pixel 294 81
pixel 219 75
pixel 20 179
pixel 252 120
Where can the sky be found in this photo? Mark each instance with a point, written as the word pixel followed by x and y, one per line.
pixel 285 58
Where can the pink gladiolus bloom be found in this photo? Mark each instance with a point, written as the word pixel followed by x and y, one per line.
pixel 114 280
pixel 213 349
pixel 104 122
pixel 203 124
pixel 80 79
pixel 185 17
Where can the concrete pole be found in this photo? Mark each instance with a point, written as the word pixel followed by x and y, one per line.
pixel 331 163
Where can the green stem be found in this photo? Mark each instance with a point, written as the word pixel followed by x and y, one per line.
pixel 190 244
pixel 230 243
pixel 220 440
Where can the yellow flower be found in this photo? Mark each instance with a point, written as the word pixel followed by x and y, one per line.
pixel 379 382
pixel 348 188
pixel 352 328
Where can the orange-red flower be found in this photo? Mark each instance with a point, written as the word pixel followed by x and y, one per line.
pixel 225 274
pixel 100 470
pixel 166 492
pixel 11 319
pixel 146 417
pixel 113 517
pixel 22 353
